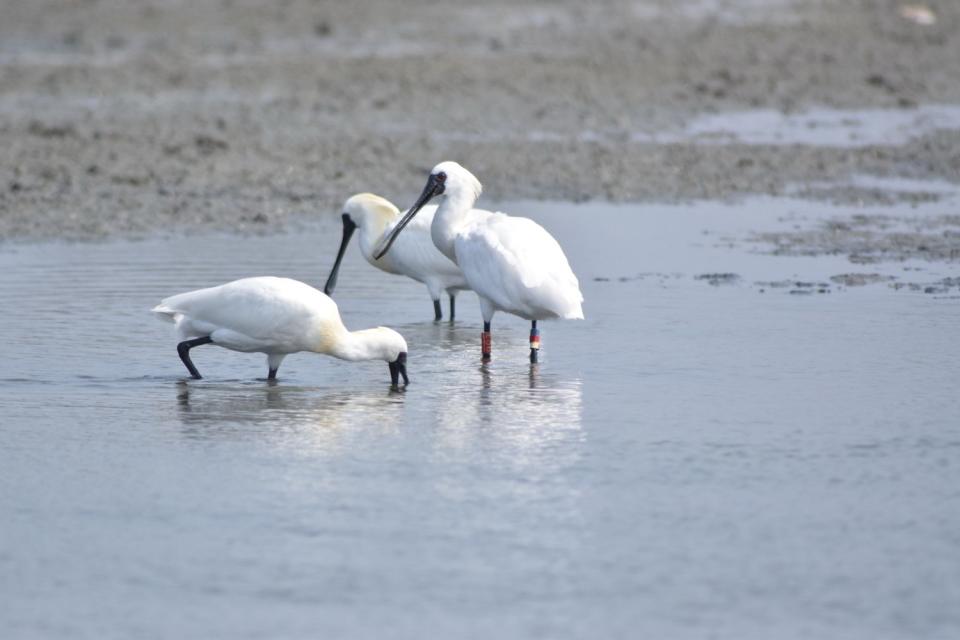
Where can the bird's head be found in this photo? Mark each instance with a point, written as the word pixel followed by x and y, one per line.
pixel 394 351
pixel 448 178
pixel 368 212
pixel 452 178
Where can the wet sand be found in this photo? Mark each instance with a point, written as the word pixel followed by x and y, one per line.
pixel 122 118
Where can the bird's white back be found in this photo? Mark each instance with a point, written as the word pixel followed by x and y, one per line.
pixel 289 313
pixel 518 266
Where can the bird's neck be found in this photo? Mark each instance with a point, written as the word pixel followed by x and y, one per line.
pixel 452 215
pixel 358 345
pixel 371 232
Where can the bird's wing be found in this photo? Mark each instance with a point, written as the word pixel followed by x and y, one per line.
pixel 519 266
pixel 264 307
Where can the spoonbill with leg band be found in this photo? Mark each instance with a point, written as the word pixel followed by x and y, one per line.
pixel 276 316
pixel 414 256
pixel 512 263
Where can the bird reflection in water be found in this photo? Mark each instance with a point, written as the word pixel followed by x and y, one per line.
pixel 519 414
pixel 309 419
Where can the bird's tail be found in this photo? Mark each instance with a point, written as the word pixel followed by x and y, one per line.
pixel 164 313
pixel 575 313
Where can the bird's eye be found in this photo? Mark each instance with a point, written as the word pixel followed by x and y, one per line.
pixel 441 177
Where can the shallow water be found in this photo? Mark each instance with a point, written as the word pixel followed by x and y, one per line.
pixel 691 461
pixel 819 127
pixel 813 127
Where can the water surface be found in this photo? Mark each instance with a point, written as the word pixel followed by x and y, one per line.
pixel 691 461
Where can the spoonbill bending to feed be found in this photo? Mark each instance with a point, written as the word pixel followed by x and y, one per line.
pixel 414 256
pixel 513 264
pixel 275 316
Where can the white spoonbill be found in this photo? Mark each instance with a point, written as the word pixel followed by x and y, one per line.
pixel 414 256
pixel 275 316
pixel 512 264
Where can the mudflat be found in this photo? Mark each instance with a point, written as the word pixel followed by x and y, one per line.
pixel 120 118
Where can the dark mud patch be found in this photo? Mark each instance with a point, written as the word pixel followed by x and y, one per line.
pixel 860 279
pixel 718 279
pixel 661 277
pixel 867 239
pixel 42 130
pixel 868 196
pixel 938 287
pixel 794 287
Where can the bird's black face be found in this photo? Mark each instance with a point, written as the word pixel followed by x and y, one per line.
pixel 398 369
pixel 436 184
pixel 349 226
pixel 440 182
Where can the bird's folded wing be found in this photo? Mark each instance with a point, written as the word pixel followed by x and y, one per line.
pixel 517 264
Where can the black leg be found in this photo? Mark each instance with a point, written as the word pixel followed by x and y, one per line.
pixel 184 350
pixel 453 306
pixel 273 365
pixel 534 341
pixel 485 343
pixel 437 311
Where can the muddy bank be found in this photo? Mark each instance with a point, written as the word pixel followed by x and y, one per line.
pixel 870 238
pixel 121 117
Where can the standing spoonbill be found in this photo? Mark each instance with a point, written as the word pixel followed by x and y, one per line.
pixel 414 256
pixel 275 316
pixel 512 264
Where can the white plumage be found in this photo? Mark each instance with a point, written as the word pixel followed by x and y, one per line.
pixel 413 256
pixel 275 316
pixel 513 264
